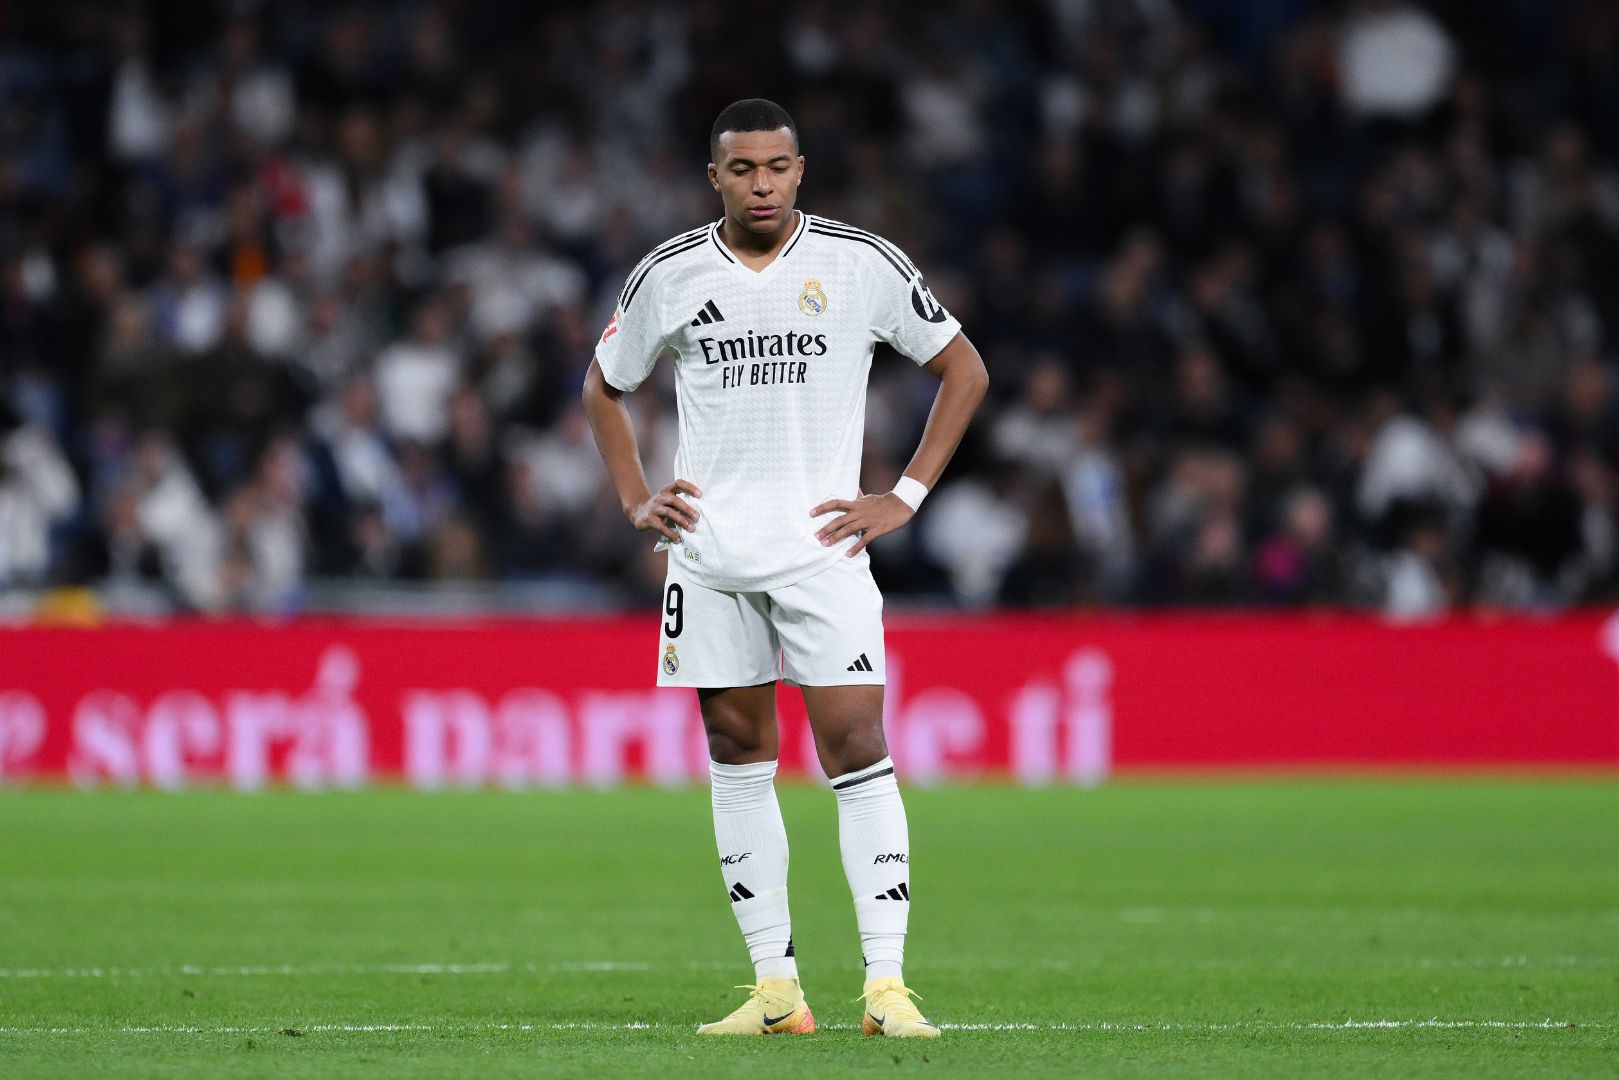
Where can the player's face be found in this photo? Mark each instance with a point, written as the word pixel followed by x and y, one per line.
pixel 757 176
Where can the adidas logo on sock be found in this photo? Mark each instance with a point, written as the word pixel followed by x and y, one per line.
pixel 739 893
pixel 898 892
pixel 861 664
pixel 709 314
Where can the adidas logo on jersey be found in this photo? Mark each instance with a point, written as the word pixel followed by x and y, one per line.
pixel 861 664
pixel 708 314
pixel 898 892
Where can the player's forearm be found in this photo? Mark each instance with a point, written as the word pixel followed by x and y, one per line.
pixel 963 381
pixel 610 423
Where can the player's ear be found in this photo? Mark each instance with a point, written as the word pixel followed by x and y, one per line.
pixel 713 176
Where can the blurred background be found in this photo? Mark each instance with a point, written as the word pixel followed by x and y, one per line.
pixel 1285 304
pixel 1293 507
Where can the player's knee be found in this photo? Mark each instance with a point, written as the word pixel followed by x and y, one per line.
pixel 859 746
pixel 739 744
pixel 726 749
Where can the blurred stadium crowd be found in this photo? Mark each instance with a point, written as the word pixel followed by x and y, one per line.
pixel 1287 303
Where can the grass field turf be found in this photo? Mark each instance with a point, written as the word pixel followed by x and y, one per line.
pixel 1333 928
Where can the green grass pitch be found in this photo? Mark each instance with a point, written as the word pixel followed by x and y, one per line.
pixel 1394 927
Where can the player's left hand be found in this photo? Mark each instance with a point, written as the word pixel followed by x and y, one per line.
pixel 869 516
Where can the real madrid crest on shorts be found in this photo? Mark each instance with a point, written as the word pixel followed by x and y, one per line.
pixel 671 661
pixel 812 301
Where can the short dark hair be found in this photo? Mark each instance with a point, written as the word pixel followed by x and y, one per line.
pixel 750 114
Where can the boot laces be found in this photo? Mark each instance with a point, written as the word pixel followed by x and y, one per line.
pixel 905 991
pixel 757 990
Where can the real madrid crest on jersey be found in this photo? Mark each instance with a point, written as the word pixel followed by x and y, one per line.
pixel 671 661
pixel 812 301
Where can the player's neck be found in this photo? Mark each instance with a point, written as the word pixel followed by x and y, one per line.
pixel 757 250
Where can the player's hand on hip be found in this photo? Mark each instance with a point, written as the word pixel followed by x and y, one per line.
pixel 868 517
pixel 666 513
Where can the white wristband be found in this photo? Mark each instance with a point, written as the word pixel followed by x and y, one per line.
pixel 911 492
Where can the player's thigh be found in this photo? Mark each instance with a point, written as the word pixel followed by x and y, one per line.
pixel 847 722
pixel 713 638
pixel 831 627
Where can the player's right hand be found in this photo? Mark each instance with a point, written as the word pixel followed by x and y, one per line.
pixel 666 513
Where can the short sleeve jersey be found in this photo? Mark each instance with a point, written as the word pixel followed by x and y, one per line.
pixel 770 381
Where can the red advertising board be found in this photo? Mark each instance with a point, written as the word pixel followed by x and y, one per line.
pixel 1039 699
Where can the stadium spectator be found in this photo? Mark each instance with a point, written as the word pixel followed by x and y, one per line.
pixel 1287 304
pixel 417 375
pixel 38 494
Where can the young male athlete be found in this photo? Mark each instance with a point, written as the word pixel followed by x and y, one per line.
pixel 771 316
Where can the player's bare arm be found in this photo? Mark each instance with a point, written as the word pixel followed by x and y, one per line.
pixel 663 512
pixel 963 382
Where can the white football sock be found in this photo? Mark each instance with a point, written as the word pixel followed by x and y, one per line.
pixel 752 842
pixel 876 859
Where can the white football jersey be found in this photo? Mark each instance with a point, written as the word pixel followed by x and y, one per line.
pixel 770 378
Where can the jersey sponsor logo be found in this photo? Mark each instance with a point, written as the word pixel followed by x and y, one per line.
pixel 671 661
pixel 923 302
pixel 812 301
pixel 612 325
pixel 752 346
pixel 764 373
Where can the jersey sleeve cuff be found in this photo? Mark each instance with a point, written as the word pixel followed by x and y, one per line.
pixel 615 380
pixel 948 331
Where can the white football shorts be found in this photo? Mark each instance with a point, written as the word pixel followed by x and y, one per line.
pixel 826 630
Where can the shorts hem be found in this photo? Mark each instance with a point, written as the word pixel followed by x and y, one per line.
pixel 687 682
pixel 862 678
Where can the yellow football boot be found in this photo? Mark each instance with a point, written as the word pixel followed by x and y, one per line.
pixel 776 1007
pixel 889 1012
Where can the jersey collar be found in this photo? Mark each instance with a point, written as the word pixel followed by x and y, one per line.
pixel 787 248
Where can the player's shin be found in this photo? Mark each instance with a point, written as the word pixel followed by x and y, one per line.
pixel 752 842
pixel 876 858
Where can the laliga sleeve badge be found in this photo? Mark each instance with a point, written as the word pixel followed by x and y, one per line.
pixel 671 661
pixel 924 303
pixel 812 301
